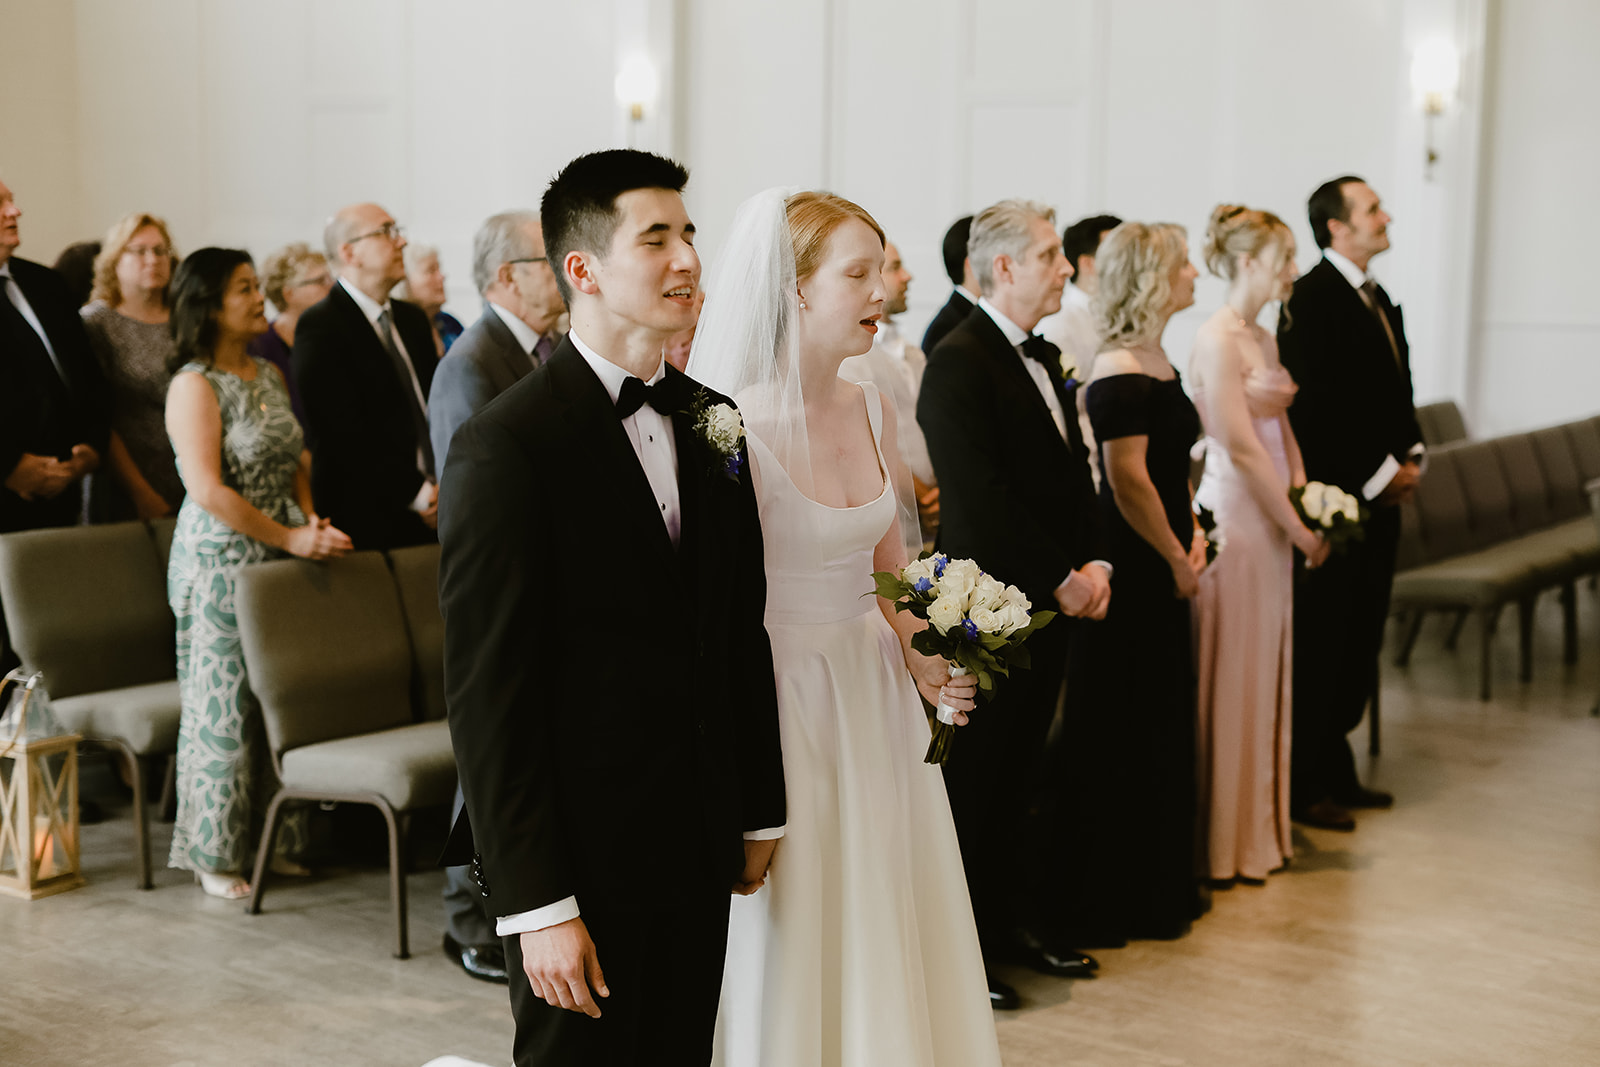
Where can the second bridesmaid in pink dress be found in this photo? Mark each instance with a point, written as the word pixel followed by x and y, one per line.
pixel 1244 611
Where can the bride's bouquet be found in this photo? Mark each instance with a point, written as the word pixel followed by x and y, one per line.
pixel 1336 514
pixel 974 622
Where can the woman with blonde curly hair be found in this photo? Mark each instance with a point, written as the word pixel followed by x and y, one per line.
pixel 127 321
pixel 293 278
pixel 1130 726
pixel 1245 610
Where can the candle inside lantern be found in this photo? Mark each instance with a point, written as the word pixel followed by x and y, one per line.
pixel 44 847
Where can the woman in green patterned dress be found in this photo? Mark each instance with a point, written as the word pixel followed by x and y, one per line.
pixel 247 475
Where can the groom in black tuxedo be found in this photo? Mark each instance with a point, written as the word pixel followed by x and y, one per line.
pixel 1344 341
pixel 1001 426
pixel 608 676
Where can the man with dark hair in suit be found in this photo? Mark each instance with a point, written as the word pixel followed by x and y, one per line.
pixel 964 297
pixel 363 364
pixel 1015 496
pixel 515 333
pixel 1344 341
pixel 621 774
pixel 57 416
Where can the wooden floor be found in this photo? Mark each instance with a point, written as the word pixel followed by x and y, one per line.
pixel 1461 928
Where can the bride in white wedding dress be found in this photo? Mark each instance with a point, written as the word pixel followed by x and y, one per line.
pixel 861 950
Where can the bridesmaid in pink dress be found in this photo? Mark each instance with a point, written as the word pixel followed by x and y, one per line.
pixel 1244 612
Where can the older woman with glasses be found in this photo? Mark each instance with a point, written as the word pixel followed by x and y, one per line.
pixel 127 321
pixel 424 287
pixel 293 278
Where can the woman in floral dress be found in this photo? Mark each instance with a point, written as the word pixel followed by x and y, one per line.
pixel 247 476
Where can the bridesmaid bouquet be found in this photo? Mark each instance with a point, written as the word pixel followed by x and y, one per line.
pixel 974 622
pixel 1332 511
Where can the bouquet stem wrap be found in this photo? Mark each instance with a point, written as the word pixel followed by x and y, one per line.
pixel 944 731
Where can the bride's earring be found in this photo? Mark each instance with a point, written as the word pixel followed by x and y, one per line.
pixel 802 302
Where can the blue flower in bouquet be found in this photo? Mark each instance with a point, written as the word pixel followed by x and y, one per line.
pixel 939 559
pixel 970 629
pixel 923 585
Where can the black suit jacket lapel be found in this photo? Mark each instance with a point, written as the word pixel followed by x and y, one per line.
pixel 514 362
pixel 617 470
pixel 1007 364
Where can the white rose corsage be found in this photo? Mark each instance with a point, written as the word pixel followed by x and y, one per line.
pixel 721 428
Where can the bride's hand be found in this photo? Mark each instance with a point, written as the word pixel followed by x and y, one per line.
pixel 932 675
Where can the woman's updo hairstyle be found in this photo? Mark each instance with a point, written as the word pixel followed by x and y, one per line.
pixel 1236 230
pixel 813 217
pixel 197 291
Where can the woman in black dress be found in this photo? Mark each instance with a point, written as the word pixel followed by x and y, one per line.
pixel 1128 804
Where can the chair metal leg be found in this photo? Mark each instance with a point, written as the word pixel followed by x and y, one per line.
pixel 169 790
pixel 141 817
pixel 269 835
pixel 1569 623
pixel 1413 628
pixel 397 881
pixel 1525 609
pixel 1455 630
pixel 1486 647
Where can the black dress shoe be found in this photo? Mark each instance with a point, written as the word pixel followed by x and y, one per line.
pixel 1365 798
pixel 1062 963
pixel 1326 815
pixel 485 962
pixel 1002 997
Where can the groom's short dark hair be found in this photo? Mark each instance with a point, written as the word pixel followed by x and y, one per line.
pixel 579 209
pixel 1328 203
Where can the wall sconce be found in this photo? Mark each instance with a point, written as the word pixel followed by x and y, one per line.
pixel 636 87
pixel 1435 75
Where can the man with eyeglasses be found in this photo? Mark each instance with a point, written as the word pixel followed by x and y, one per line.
pixel 517 331
pixel 364 364
pixel 57 411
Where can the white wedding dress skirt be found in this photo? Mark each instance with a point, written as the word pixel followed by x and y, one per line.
pixel 861 950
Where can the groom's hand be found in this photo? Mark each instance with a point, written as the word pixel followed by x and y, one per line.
pixel 561 965
pixel 757 858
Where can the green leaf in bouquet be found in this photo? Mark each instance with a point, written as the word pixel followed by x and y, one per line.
pixel 1019 656
pixel 1037 621
pixel 891 586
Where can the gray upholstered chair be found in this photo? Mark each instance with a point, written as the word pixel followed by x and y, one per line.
pixel 87 605
pixel 1593 489
pixel 329 659
pixel 1441 423
pixel 416 576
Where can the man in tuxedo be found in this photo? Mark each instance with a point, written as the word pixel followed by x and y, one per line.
pixel 515 333
pixel 964 297
pixel 895 366
pixel 608 675
pixel 1344 341
pixel 1016 496
pixel 363 364
pixel 57 415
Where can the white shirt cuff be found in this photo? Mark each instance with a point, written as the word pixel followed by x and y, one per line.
pixel 525 922
pixel 1103 565
pixel 1419 454
pixel 1381 478
pixel 771 833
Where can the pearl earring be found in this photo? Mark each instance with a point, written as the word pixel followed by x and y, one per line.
pixel 802 305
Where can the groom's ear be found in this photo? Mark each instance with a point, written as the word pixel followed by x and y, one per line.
pixel 578 266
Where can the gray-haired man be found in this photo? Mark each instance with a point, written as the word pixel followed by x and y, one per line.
pixel 515 333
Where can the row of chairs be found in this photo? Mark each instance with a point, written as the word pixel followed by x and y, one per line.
pixel 1498 522
pixel 346 659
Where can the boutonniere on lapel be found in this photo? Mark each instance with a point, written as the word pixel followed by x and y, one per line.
pixel 721 428
pixel 1069 373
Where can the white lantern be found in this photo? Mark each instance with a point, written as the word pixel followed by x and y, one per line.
pixel 38 794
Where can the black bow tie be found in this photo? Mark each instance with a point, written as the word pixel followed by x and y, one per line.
pixel 1041 351
pixel 635 394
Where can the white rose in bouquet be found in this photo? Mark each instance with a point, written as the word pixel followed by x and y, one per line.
pixel 917 571
pixel 944 613
pixel 1311 500
pixel 960 578
pixel 988 593
pixel 1350 508
pixel 1014 616
pixel 987 621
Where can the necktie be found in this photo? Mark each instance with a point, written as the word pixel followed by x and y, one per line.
pixel 412 388
pixel 635 395
pixel 1369 293
pixel 542 349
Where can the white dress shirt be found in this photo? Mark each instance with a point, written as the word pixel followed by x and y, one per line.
pixel 1390 466
pixel 1072 330
pixel 651 435
pixel 525 334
